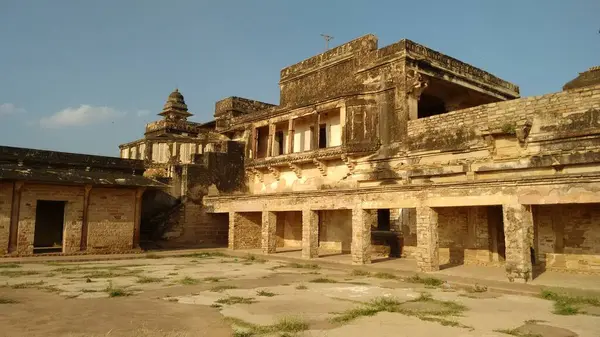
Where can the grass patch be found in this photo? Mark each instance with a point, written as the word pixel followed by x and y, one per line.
pixel 568 305
pixel 88 291
pixel 213 279
pixel 26 285
pixel 236 300
pixel 220 288
pixel 116 292
pixel 301 287
pixel 388 304
pixel 516 332
pixel 265 293
pixel 101 274
pixel 206 255
pixel 172 274
pixel 153 256
pixel 17 273
pixel 477 289
pixel 386 276
pixel 358 272
pixel 283 326
pixel 147 279
pixel 429 281
pixel 189 281
pixel 323 280
pixel 7 300
pixel 10 265
pixel 253 258
pixel 313 266
pixel 357 283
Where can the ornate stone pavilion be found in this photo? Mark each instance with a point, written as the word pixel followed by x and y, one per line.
pixel 396 151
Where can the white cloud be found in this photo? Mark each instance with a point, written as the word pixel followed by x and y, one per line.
pixel 10 109
pixel 80 116
pixel 142 113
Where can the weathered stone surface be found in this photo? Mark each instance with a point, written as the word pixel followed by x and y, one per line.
pixel 518 232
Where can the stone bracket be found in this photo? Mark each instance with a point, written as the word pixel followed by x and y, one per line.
pixel 274 171
pixel 256 173
pixel 297 170
pixel 351 164
pixel 321 166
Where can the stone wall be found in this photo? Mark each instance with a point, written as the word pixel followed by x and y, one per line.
pixel 73 195
pixel 6 192
pixel 462 129
pixel 289 229
pixel 568 236
pixel 245 229
pixel 335 231
pixel 111 215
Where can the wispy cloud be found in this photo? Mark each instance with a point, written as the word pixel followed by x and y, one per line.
pixel 81 116
pixel 142 113
pixel 10 109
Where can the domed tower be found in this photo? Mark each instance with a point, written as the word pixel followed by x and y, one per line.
pixel 175 109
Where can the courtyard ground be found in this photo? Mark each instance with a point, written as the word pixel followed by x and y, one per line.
pixel 214 294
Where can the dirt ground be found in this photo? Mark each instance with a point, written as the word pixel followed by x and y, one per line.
pixel 208 294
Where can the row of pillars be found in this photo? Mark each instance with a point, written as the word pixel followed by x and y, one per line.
pixel 518 231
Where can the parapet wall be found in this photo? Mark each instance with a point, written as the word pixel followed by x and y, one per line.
pixel 552 115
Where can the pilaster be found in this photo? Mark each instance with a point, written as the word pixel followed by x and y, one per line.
pixel 84 221
pixel 427 240
pixel 137 217
pixel 518 237
pixel 269 238
pixel 310 234
pixel 361 235
pixel 14 217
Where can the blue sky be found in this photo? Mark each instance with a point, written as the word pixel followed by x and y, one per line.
pixel 85 76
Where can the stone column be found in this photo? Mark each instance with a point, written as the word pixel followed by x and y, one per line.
pixel 310 234
pixel 269 238
pixel 361 235
pixel 84 220
pixel 518 237
pixel 290 143
pixel 427 240
pixel 270 140
pixel 137 218
pixel 14 217
pixel 232 223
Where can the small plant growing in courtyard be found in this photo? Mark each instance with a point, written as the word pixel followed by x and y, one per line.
pixel 220 288
pixel 568 305
pixel 188 281
pixel 6 300
pixel 358 272
pixel 265 293
pixel 236 300
pixel 386 276
pixel 153 256
pixel 301 287
pixel 9 265
pixel 147 279
pixel 323 280
pixel 212 279
pixel 430 281
pixel 116 292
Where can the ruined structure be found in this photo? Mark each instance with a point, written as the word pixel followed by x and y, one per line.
pixel 69 203
pixel 399 150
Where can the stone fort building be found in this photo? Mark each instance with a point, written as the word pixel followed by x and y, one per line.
pixel 398 151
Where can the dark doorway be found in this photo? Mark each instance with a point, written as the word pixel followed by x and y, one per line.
pixel 279 142
pixel 383 219
pixel 322 136
pixel 49 221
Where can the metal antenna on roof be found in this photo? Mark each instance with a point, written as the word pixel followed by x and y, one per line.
pixel 327 39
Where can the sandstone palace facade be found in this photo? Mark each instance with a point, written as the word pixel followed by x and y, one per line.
pixel 373 152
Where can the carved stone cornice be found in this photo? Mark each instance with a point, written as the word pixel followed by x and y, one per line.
pixel 326 154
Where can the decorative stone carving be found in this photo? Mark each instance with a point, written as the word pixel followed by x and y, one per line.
pixel 321 166
pixel 256 173
pixel 274 171
pixel 297 170
pixel 415 84
pixel 349 163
